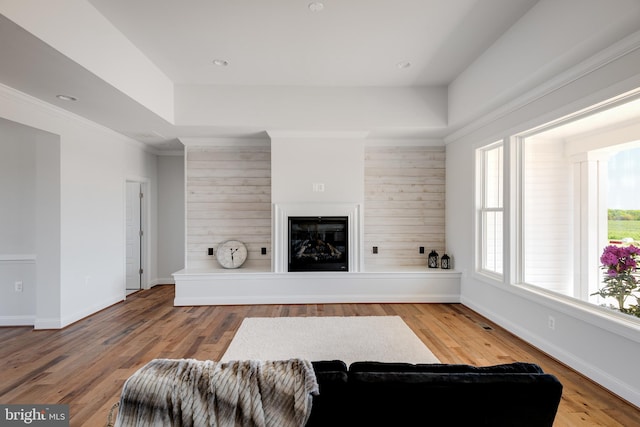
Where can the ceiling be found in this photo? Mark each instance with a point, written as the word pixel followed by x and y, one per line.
pixel 284 42
pixel 261 44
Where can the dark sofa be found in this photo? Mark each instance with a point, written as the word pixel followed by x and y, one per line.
pixel 403 394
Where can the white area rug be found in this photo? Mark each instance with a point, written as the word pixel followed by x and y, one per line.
pixel 350 339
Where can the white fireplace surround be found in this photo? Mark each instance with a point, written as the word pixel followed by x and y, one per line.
pixel 280 237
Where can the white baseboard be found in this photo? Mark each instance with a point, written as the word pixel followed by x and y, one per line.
pixel 17 320
pixel 48 323
pixel 162 281
pixel 67 320
pixel 625 390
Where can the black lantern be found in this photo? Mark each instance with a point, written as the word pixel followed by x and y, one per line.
pixel 445 262
pixel 432 262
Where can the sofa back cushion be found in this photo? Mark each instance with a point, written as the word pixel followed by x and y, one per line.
pixel 329 405
pixel 507 368
pixel 381 396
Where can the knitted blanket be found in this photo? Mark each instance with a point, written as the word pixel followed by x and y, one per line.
pixel 188 392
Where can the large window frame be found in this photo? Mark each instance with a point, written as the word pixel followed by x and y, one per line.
pixel 491 210
pixel 584 213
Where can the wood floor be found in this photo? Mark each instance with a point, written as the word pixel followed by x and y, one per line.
pixel 85 364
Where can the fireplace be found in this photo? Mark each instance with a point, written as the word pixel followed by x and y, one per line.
pixel 349 213
pixel 318 243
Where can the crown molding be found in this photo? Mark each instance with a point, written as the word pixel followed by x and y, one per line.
pixel 315 134
pixel 223 142
pixel 400 142
pixel 601 59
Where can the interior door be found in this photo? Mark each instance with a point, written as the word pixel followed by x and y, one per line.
pixel 134 236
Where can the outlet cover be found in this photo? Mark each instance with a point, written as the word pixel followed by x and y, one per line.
pixel 18 286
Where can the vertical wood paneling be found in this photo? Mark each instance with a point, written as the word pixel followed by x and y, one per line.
pixel 404 204
pixel 228 196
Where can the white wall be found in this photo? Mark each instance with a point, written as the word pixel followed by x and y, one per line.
pixel 553 36
pixel 119 63
pixel 312 108
pixel 602 348
pixel 299 162
pixel 86 196
pixel 171 206
pixel 18 186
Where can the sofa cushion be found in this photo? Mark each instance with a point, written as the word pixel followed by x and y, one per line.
pixel 330 403
pixel 452 399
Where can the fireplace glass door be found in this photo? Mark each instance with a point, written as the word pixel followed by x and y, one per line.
pixel 318 244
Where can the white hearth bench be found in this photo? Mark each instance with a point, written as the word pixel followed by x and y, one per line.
pixel 217 286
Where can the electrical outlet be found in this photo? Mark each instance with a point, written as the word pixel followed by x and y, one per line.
pixel 263 251
pixel 421 249
pixel 375 249
pixel 552 323
pixel 18 286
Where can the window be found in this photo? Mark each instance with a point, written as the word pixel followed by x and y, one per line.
pixel 578 193
pixel 573 188
pixel 490 212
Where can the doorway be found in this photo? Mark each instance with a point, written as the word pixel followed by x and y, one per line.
pixel 135 236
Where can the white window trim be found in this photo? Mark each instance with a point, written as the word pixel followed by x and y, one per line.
pixel 590 228
pixel 481 210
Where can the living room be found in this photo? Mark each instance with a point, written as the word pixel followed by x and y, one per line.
pixel 65 241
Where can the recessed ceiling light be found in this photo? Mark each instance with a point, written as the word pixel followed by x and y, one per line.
pixel 316 6
pixel 66 97
pixel 220 62
pixel 403 64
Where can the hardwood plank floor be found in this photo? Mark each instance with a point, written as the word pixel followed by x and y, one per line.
pixel 85 364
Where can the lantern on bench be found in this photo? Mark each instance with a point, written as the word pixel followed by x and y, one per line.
pixel 432 261
pixel 445 262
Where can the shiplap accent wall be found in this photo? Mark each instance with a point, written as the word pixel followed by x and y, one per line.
pixel 228 192
pixel 404 204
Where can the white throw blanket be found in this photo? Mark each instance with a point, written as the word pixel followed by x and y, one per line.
pixel 189 392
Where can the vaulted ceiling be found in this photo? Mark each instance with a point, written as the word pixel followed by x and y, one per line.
pixel 163 70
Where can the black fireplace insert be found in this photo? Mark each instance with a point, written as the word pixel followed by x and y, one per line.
pixel 318 243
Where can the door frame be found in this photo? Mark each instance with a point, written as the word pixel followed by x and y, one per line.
pixel 145 220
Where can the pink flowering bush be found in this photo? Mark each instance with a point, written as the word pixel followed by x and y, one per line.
pixel 620 264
